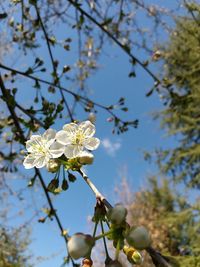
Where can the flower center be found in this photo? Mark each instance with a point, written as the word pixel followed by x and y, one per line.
pixel 40 147
pixel 79 138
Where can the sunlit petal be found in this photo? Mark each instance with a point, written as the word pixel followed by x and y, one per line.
pixel 88 128
pixel 29 162
pixel 49 134
pixel 35 137
pixel 56 150
pixel 33 142
pixel 63 137
pixel 92 143
pixel 71 128
pixel 40 162
pixel 72 151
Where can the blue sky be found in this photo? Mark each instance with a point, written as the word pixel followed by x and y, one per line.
pixel 116 152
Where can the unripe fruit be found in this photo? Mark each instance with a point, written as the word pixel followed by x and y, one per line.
pixel 117 215
pixel 139 238
pixel 80 245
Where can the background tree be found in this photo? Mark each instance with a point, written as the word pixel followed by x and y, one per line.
pixel 13 247
pixel 180 117
pixel 172 221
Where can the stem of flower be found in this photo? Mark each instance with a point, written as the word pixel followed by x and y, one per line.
pixel 98 195
pixel 106 221
pixel 117 250
pixel 63 172
pixel 104 241
pixel 95 228
pixel 103 235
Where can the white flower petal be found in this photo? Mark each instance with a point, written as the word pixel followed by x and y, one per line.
pixel 56 150
pixel 63 137
pixel 71 128
pixel 49 134
pixel 29 162
pixel 88 128
pixel 35 137
pixel 72 151
pixel 40 162
pixel 34 141
pixel 92 143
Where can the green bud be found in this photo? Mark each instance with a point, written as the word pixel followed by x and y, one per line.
pixel 53 165
pixel 71 177
pixel 117 215
pixel 139 238
pixel 65 185
pixel 80 245
pixel 53 185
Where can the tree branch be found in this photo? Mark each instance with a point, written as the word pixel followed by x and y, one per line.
pixel 53 62
pixel 111 36
pixel 37 172
pixel 98 195
pixel 29 115
pixel 75 95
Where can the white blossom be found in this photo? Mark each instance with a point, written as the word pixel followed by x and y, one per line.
pixel 41 149
pixel 77 137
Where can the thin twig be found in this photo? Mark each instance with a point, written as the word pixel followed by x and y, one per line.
pixel 123 47
pixel 98 195
pixel 53 62
pixel 37 172
pixel 30 115
pixel 75 95
pixel 104 241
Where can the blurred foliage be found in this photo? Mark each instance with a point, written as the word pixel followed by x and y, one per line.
pixel 181 116
pixel 173 223
pixel 13 248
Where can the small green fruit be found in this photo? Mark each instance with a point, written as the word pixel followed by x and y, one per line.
pixel 79 245
pixel 139 238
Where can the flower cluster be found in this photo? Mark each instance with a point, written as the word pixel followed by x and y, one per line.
pixel 70 148
pixel 73 142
